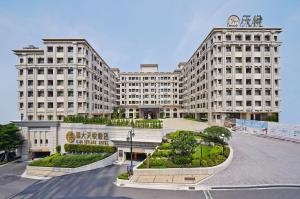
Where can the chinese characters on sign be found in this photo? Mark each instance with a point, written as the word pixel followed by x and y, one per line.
pixel 234 21
pixel 96 138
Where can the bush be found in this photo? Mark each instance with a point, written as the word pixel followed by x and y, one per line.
pixel 162 153
pixel 181 160
pixel 165 146
pixel 123 176
pixel 68 161
pixel 58 149
pixel 84 148
pixel 157 162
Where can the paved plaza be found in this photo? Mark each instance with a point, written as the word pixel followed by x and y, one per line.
pixel 184 124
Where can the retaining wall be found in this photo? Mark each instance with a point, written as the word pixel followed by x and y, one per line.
pixel 185 171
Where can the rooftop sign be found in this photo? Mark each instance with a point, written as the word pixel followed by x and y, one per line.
pixel 246 21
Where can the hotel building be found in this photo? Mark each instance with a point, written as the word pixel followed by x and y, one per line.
pixel 233 74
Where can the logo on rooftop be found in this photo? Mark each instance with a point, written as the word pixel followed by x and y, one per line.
pixel 246 21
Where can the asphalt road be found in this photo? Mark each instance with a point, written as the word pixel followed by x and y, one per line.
pixel 256 161
pixel 99 184
pixel 259 160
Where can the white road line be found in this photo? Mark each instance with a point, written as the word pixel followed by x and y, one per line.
pixel 207 194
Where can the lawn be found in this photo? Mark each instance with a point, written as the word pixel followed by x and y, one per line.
pixel 68 161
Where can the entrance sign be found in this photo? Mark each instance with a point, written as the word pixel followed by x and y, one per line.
pixel 97 138
pixel 234 21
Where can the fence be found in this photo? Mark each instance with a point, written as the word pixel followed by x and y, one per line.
pixel 271 129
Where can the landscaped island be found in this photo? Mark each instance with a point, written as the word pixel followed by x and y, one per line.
pixel 184 149
pixel 78 155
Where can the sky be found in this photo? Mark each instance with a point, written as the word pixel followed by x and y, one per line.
pixel 128 33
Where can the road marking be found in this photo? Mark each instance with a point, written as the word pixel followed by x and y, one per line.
pixel 207 194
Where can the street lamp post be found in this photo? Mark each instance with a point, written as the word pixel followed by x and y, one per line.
pixel 223 142
pixel 200 152
pixel 129 138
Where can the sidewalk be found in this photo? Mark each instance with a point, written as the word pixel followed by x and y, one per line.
pixel 169 179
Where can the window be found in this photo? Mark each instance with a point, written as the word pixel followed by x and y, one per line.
pixel 60 82
pixel 267 70
pixel 70 71
pixel 40 60
pixel 70 82
pixel 228 37
pixel 268 92
pixel 248 81
pixel 267 37
pixel 60 93
pixel 60 105
pixel 238 81
pixel 248 48
pixel 70 60
pixel 30 82
pixel 60 71
pixel 256 48
pixel 257 103
pixel 21 60
pixel 228 103
pixel 238 60
pixel 50 60
pixel 49 49
pixel 50 71
pixel 228 49
pixel 268 103
pixel 228 81
pixel 256 37
pixel 267 49
pixel 60 60
pixel 256 59
pixel 275 38
pixel 268 81
pixel 248 59
pixel 257 92
pixel 30 105
pixel 248 103
pixel 238 71
pixel 248 70
pixel 248 92
pixel 228 59
pixel 238 37
pixel 228 70
pixel 40 71
pixel 70 94
pixel 70 49
pixel 228 92
pixel 238 49
pixel 257 70
pixel 239 92
pixel 40 93
pixel 239 103
pixel 50 93
pixel 267 59
pixel 30 60
pixel 60 49
pixel 40 105
pixel 248 37
pixel 257 82
pixel 40 82
pixel 50 104
pixel 70 104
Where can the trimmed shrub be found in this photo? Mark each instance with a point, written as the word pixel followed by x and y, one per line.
pixel 165 146
pixel 84 148
pixel 162 153
pixel 123 176
pixel 68 161
pixel 58 149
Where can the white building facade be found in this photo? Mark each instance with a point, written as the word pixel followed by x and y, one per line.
pixel 233 74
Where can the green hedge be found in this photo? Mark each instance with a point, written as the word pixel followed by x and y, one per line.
pixel 68 161
pixel 149 124
pixel 84 148
pixel 123 176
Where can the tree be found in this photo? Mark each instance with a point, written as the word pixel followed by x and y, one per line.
pixel 184 144
pixel 216 134
pixel 10 138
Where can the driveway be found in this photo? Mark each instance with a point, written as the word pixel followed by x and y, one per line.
pixel 258 160
pixel 11 181
pixel 183 124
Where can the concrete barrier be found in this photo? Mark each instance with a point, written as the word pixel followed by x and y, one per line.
pixel 58 171
pixel 185 171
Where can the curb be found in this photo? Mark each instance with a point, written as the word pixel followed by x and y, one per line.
pixel 259 186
